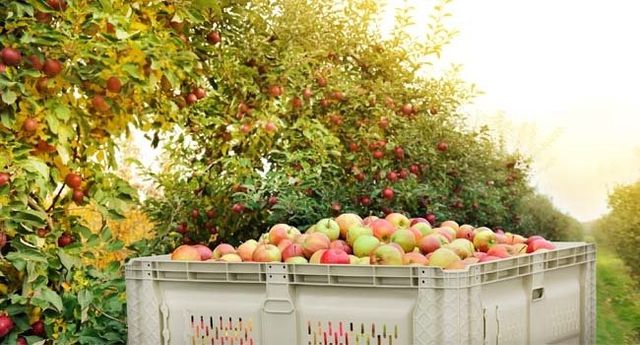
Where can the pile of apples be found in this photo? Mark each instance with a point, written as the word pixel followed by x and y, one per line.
pixel 393 240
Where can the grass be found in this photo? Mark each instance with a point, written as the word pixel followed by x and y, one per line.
pixel 618 314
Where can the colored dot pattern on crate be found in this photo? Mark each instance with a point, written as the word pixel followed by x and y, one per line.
pixel 350 333
pixel 208 330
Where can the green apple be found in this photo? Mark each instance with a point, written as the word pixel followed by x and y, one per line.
pixel 405 238
pixel 364 245
pixel 328 227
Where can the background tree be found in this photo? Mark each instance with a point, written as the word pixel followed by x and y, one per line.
pixel 312 112
pixel 620 228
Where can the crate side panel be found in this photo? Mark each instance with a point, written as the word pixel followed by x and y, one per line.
pixel 347 315
pixel 214 313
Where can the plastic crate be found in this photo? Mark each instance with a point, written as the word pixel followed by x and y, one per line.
pixel 542 298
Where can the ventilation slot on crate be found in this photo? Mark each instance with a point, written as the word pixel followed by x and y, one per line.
pixel 221 330
pixel 350 333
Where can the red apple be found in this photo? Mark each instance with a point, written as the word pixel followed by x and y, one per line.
pixel 114 85
pixel 342 245
pixel 488 258
pixel 270 127
pixel 222 249
pixel 431 218
pixel 6 325
pixel 60 5
pixel 431 243
pixel 292 250
pixel 51 68
pixel 442 146
pixel 540 245
pixel 534 238
pixel 10 56
pixel 205 252
pixel 98 103
pixel 35 62
pixel 484 239
pixel 307 93
pixel 513 238
pixel 5 178
pixel 284 244
pixel 73 180
pixel 370 219
pixel 37 328
pixel 416 220
pixel 314 242
pixel 78 196
pixel 465 231
pixel 191 98
pixel 315 258
pixel 407 109
pixel 383 229
pixel 185 253
pixel 246 249
pixel 450 223
pixel 200 93
pixel 275 91
pixel 30 125
pixel 335 256
pixel 266 253
pixel 346 221
pixel 237 208
pixel 387 193
pixel 447 232
pixel 499 250
pixel 399 220
pixel 214 37
pixel 280 232
pixel 387 254
pixel 383 123
pixel 414 258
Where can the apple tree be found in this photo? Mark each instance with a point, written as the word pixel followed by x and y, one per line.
pixel 74 75
pixel 620 228
pixel 312 112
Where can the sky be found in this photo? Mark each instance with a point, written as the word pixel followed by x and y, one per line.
pixel 560 80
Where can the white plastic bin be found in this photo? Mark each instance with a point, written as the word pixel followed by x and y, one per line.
pixel 542 298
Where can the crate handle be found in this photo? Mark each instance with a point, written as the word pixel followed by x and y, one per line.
pixel 537 294
pixel 276 306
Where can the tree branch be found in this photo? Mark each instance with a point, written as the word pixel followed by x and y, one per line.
pixel 34 205
pixel 55 199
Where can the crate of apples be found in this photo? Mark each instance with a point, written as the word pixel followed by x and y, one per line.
pixel 394 240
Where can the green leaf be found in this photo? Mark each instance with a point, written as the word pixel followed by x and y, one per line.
pixel 85 297
pixel 67 260
pixel 9 97
pixel 25 255
pixel 50 297
pixel 34 165
pixel 62 112
pixel 133 71
pixel 53 123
